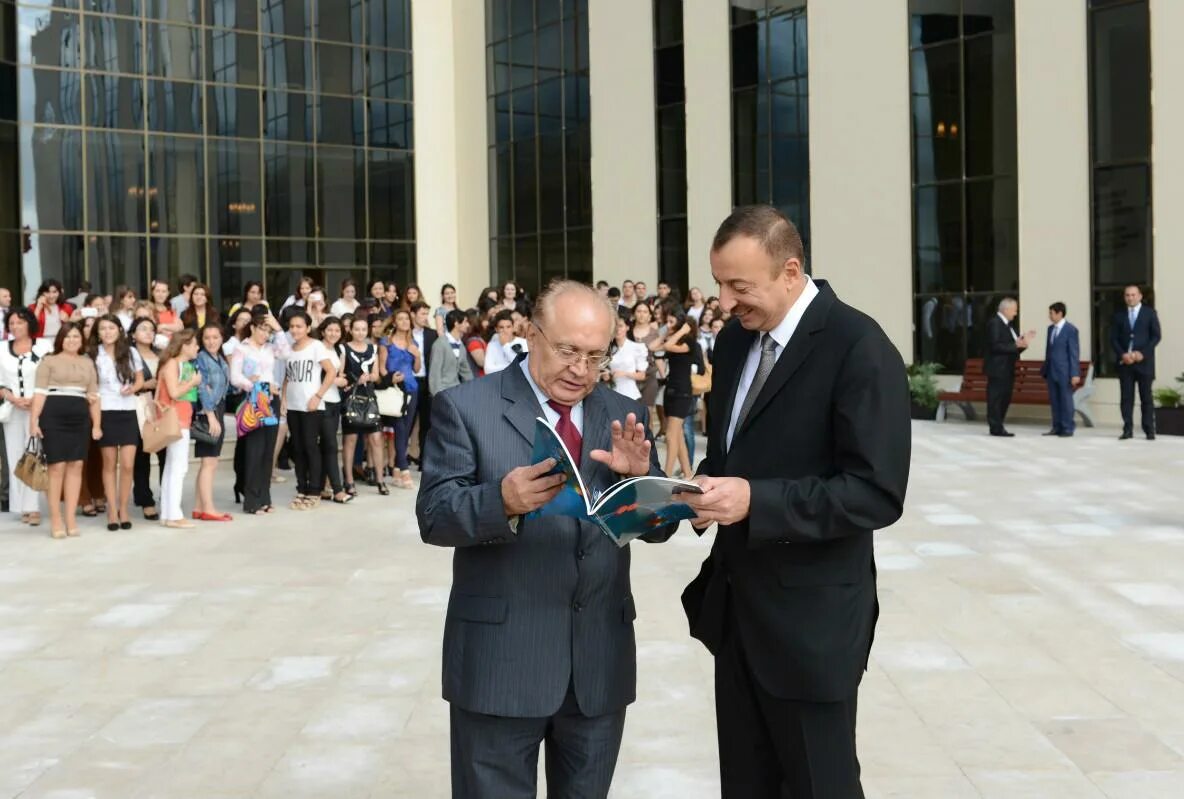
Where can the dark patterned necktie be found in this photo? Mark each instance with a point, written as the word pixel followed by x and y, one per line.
pixel 567 431
pixel 763 369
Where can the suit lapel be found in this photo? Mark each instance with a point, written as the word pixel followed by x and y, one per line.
pixel 523 407
pixel 739 359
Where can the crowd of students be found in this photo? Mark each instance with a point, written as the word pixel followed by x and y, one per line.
pixel 80 375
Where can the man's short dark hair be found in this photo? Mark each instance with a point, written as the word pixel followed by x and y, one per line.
pixel 600 284
pixel 83 286
pixel 1058 307
pixel 185 280
pixel 415 306
pixel 777 235
pixel 455 317
pixel 614 293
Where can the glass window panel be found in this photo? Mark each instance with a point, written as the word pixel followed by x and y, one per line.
pixel 500 118
pixel 52 255
pixel 51 178
pixel 389 74
pixel 579 178
pixel 288 172
pixel 172 257
pixel 992 249
pixel 391 125
pixel 174 51
pixel 786 109
pixel 551 191
pixel 499 66
pixel 1122 225
pixel 287 17
pixel 552 257
pixel 300 253
pixel 116 192
pixel 341 192
pixel 232 57
pixel 987 16
pixel 990 106
pixel 233 263
pixel 344 253
pixel 10 215
pixel 8 32
pixel 391 208
pixel 115 45
pixel 933 21
pixel 393 260
pixel 790 173
pixel 341 21
pixel 288 115
pixel 235 202
pixel 522 104
pixel 937 238
pixel 176 187
pixel 501 251
pixel 747 59
pixel 549 51
pixel 118 261
pixel 174 107
pixel 526 263
pixel 671 86
pixel 579 254
pixel 576 100
pixel 745 151
pixel 550 106
pixel 49 96
pixel 340 68
pixel 186 11
pixel 787 46
pixel 1121 88
pixel 937 118
pixel 546 12
pixel 525 187
pixel 521 16
pixel 287 63
pixel 582 41
pixel 242 14
pixel 942 324
pixel 233 112
pixel 47 38
pixel 502 182
pixel 497 17
pixel 342 120
pixel 115 101
pixel 668 22
pixel 390 24
pixel 521 61
pixel 672 251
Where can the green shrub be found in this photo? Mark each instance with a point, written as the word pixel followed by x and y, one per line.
pixel 922 384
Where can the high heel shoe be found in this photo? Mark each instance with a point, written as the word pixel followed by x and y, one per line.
pixel 112 526
pixel 57 533
pixel 382 489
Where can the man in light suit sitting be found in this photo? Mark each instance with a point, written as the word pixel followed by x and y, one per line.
pixel 1061 370
pixel 449 362
pixel 538 639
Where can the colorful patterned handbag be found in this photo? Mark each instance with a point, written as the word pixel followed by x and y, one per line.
pixel 256 411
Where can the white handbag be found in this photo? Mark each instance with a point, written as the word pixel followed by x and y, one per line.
pixel 390 401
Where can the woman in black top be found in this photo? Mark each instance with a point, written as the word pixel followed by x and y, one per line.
pixel 359 361
pixel 682 350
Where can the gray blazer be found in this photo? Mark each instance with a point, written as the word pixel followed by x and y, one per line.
pixel 446 370
pixel 532 612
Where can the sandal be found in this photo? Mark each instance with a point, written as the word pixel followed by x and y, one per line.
pixel 351 490
pixel 88 511
pixel 342 498
pixel 34 519
pixel 382 489
pixel 57 533
pixel 74 533
pixel 299 502
pixel 326 495
pixel 153 516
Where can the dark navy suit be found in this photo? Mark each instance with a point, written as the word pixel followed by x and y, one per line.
pixel 1061 364
pixel 1142 337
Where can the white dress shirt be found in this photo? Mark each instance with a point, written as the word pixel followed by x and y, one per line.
pixel 498 356
pixel 781 334
pixel 1014 335
pixel 417 337
pixel 577 410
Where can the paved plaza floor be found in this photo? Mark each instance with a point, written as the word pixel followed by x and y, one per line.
pixel 1031 644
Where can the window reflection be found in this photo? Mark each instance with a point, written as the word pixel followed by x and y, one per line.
pixel 235 199
pixel 242 14
pixel 118 261
pixel 391 194
pixel 288 171
pixel 341 192
pixel 48 38
pixel 174 106
pixel 288 115
pixel 114 45
pixel 232 57
pixel 174 51
pixel 233 112
pixel 115 101
pixel 116 193
pixel 287 63
pixel 176 181
pixel 51 178
pixel 50 96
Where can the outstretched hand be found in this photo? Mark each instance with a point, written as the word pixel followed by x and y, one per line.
pixel 630 455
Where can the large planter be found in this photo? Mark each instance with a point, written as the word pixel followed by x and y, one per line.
pixel 921 412
pixel 1169 421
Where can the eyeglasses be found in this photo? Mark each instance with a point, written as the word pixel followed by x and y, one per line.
pixel 570 356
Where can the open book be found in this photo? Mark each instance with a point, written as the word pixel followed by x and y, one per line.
pixel 629 509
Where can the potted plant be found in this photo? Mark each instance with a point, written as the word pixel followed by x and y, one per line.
pixel 923 390
pixel 1169 410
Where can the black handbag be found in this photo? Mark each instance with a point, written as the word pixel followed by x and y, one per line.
pixel 199 429
pixel 361 410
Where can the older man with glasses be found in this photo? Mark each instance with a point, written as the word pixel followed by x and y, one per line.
pixel 538 640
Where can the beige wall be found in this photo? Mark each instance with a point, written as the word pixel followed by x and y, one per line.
pixel 624 170
pixel 860 182
pixel 451 170
pixel 709 130
pixel 1167 192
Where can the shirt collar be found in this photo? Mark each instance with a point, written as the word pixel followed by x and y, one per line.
pixel 1134 310
pixel 786 327
pixel 452 340
pixel 543 399
pixel 1060 324
pixel 1004 318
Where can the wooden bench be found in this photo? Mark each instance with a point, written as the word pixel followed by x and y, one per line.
pixel 1030 389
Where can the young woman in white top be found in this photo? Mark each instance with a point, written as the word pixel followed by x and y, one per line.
pixel 253 365
pixel 348 301
pixel 125 306
pixel 143 337
pixel 501 352
pixel 447 303
pixel 695 303
pixel 330 334
pixel 19 356
pixel 300 298
pixel 629 362
pixel 308 376
pixel 121 376
pixel 316 307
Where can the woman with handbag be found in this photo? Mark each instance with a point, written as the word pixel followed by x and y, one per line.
pixel 252 371
pixel 330 335
pixel 143 337
pixel 308 376
pixel 398 362
pixel 208 430
pixel 176 391
pixel 19 357
pixel 121 376
pixel 65 404
pixel 360 365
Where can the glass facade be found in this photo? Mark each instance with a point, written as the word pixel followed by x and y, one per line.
pixel 232 139
pixel 965 248
pixel 770 108
pixel 540 141
pixel 1120 162
pixel 671 125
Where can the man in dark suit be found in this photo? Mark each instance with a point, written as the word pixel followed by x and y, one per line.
pixel 1061 369
pixel 538 641
pixel 808 453
pixel 1004 346
pixel 424 334
pixel 1134 335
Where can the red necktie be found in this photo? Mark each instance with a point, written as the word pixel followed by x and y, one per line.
pixel 567 430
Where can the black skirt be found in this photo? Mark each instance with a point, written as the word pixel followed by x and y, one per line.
pixel 120 429
pixel 65 425
pixel 680 406
pixel 204 450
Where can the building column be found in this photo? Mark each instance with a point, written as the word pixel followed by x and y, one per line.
pixel 1167 183
pixel 860 181
pixel 451 148
pixel 1052 132
pixel 706 42
pixel 624 149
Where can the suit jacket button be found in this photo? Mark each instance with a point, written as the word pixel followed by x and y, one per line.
pixel 577 607
pixel 581 555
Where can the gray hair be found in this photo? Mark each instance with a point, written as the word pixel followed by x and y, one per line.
pixel 559 287
pixel 1006 302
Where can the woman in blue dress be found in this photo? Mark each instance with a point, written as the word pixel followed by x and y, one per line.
pixel 398 361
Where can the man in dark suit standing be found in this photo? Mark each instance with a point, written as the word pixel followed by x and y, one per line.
pixel 1061 369
pixel 1004 346
pixel 538 640
pixel 424 334
pixel 808 453
pixel 1134 335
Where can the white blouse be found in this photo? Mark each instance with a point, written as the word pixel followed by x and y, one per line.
pixel 629 357
pixel 111 397
pixel 18 373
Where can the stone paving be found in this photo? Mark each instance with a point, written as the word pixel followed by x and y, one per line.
pixel 1031 644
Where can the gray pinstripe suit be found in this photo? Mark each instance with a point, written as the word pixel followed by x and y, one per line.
pixel 537 622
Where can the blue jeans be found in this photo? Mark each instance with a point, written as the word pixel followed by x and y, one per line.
pixel 403 427
pixel 688 433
